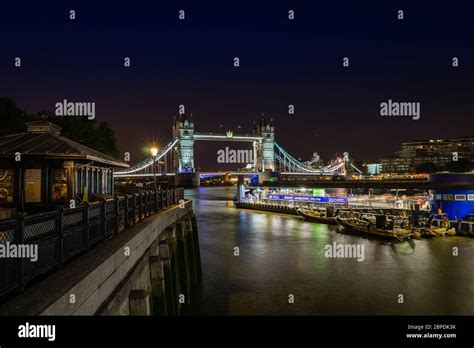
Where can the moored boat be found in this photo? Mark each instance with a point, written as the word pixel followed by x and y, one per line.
pixel 319 216
pixel 427 230
pixel 367 227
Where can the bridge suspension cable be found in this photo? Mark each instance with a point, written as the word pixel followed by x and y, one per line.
pixel 147 162
pixel 287 163
pixel 357 169
pixel 291 164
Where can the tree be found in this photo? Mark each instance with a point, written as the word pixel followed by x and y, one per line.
pixel 107 142
pixel 80 129
pixel 12 118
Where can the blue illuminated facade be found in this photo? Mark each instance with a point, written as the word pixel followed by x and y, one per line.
pixel 456 203
pixel 312 199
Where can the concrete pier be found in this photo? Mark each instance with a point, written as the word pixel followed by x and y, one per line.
pixel 144 270
pixel 187 180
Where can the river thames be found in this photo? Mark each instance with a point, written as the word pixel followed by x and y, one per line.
pixel 282 255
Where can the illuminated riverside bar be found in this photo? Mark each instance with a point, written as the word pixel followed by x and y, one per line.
pixel 336 197
pixel 301 196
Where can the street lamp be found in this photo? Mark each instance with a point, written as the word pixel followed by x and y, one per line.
pixel 154 153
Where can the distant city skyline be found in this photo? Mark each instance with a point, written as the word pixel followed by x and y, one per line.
pixel 282 62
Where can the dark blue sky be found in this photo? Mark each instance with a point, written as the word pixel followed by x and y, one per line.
pixel 283 62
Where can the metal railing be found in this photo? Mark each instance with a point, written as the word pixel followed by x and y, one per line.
pixel 63 234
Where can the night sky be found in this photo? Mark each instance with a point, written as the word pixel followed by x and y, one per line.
pixel 282 62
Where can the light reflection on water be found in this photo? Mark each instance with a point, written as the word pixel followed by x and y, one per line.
pixel 282 255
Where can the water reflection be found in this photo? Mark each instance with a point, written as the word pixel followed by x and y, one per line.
pixel 281 255
pixel 406 247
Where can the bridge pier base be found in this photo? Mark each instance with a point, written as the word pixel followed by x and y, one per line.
pixel 139 301
pixel 175 275
pixel 197 250
pixel 264 176
pixel 157 280
pixel 191 243
pixel 184 264
pixel 187 180
pixel 169 296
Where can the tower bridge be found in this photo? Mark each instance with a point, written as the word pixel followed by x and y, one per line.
pixel 268 155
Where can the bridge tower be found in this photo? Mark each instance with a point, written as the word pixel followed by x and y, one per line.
pixel 183 130
pixel 265 148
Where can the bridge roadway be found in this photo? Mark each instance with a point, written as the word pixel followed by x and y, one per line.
pixel 316 181
pixel 308 180
pixel 221 137
pixel 202 174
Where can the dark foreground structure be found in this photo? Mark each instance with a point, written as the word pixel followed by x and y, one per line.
pixel 149 264
pixel 41 170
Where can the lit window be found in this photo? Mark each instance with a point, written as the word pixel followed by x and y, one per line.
pixel 447 197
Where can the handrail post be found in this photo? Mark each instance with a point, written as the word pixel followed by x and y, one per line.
pixel 138 201
pixel 142 195
pixel 147 200
pixel 20 239
pixel 104 218
pixel 158 195
pixel 134 208
pixel 117 214
pixel 141 210
pixel 147 203
pixel 126 211
pixel 87 227
pixel 61 233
